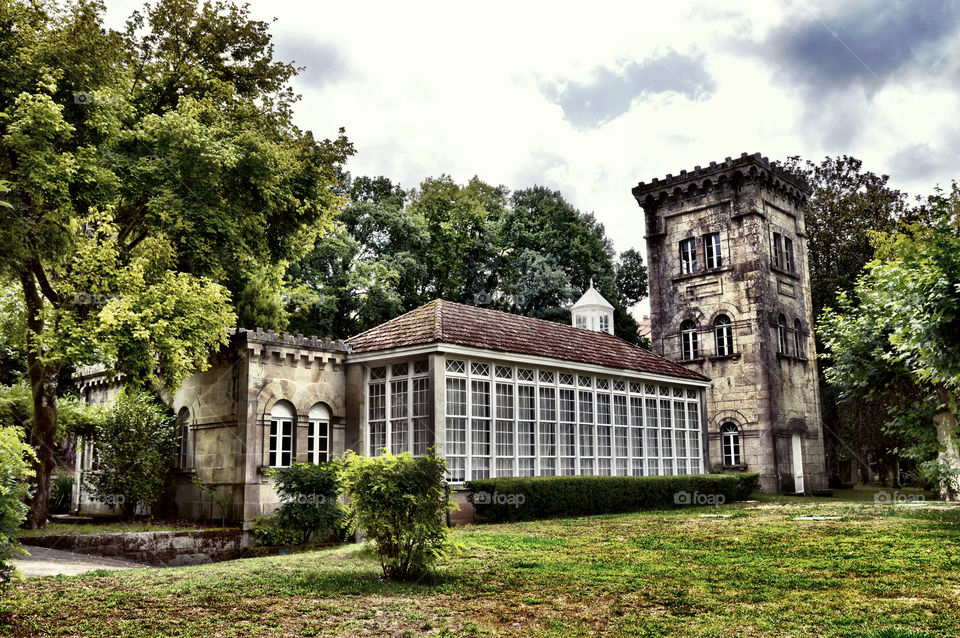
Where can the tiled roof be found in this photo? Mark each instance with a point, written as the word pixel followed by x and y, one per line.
pixel 447 322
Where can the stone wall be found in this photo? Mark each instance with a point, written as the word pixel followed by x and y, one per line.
pixel 152 548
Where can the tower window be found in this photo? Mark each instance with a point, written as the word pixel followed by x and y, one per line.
pixel 798 338
pixel 782 334
pixel 711 247
pixel 688 256
pixel 730 437
pixel 688 339
pixel 724 335
pixel 788 254
pixel 604 323
pixel 581 321
pixel 777 250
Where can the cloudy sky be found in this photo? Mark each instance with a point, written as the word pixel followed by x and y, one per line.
pixel 590 98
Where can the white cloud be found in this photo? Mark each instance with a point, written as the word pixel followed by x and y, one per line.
pixel 455 88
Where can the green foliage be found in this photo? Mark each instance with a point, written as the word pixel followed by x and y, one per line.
pixel 309 495
pixel 153 174
pixel 135 448
pixel 61 494
pixel 16 406
pixel 530 498
pixel 529 253
pixel 268 531
pixel 15 471
pixel 903 322
pixel 399 503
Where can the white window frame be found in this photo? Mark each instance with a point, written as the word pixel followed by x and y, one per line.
pixel 723 334
pixel 713 253
pixel 689 341
pixel 688 256
pixel 730 445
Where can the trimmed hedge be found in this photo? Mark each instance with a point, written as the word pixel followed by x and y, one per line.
pixel 529 498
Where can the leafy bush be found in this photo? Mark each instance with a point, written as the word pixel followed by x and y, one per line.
pixel 309 494
pixel 268 532
pixel 135 449
pixel 15 471
pixel 400 503
pixel 512 499
pixel 61 494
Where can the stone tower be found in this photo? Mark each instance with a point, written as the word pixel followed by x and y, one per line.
pixel 592 312
pixel 730 298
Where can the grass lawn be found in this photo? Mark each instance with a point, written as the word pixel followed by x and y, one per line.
pixel 664 573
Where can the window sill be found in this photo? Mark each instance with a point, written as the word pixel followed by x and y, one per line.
pixel 724 357
pixel 784 272
pixel 701 273
pixel 790 357
pixel 697 360
pixel 186 471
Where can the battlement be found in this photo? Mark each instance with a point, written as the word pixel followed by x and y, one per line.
pixel 745 168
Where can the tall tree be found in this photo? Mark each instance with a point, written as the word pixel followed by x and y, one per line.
pixel 530 253
pixel 903 319
pixel 847 205
pixel 154 173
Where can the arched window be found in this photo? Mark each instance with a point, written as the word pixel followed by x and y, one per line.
pixel 318 434
pixel 798 338
pixel 281 434
pixel 688 339
pixel 724 335
pixel 782 334
pixel 183 439
pixel 730 437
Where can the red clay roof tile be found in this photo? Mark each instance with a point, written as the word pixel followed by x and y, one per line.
pixel 446 322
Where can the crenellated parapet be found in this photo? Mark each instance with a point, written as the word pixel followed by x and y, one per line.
pixel 286 349
pixel 718 181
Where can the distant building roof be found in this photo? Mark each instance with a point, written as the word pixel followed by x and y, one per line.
pixel 644 328
pixel 446 322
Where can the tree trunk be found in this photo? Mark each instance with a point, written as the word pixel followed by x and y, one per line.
pixel 948 456
pixel 43 388
pixel 43 439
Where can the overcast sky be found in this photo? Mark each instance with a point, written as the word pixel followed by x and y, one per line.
pixel 591 98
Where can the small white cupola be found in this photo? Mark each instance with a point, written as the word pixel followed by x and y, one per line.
pixel 592 312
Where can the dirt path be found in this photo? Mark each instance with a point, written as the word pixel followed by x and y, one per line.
pixel 51 562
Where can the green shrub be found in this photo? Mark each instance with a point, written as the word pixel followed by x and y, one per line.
pixel 269 532
pixel 61 494
pixel 135 450
pixel 310 497
pixel 15 471
pixel 513 499
pixel 400 503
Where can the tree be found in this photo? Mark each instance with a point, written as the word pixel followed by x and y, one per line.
pixel 135 451
pixel 903 319
pixel 847 204
pixel 15 472
pixel 154 173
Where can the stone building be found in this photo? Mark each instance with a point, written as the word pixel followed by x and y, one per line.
pixel 496 394
pixel 730 299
